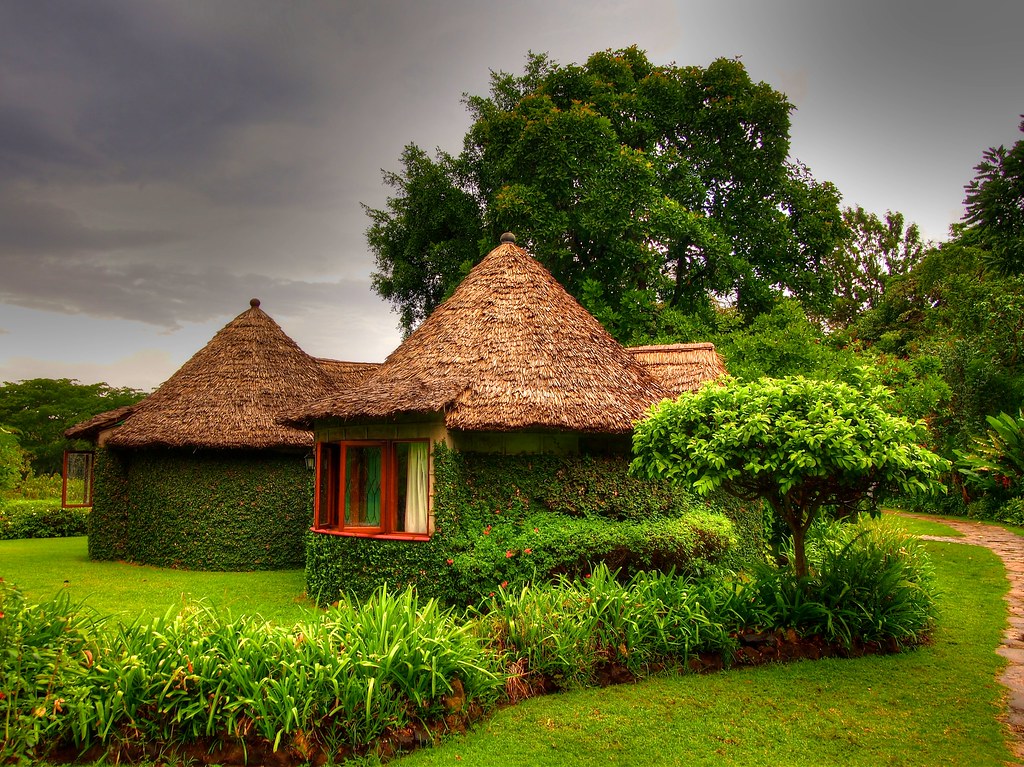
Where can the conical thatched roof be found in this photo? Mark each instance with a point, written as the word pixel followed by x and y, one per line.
pixel 230 394
pixel 680 367
pixel 509 350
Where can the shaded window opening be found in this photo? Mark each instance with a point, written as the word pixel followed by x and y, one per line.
pixel 76 487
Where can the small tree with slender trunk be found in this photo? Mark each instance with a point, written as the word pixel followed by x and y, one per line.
pixel 800 445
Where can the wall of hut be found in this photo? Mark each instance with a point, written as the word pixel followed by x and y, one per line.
pixel 201 510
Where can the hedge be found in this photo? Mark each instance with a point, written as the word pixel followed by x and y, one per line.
pixel 40 519
pixel 203 510
pixel 508 520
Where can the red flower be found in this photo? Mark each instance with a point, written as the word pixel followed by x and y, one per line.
pixel 587 575
pixel 504 584
pixel 450 561
pixel 527 551
pixel 509 554
pixel 536 530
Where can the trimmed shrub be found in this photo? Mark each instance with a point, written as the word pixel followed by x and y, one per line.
pixel 202 510
pixel 41 519
pixel 548 545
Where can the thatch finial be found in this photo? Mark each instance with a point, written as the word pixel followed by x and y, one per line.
pixel 254 302
pixel 509 238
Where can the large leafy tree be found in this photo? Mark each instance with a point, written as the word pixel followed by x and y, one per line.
pixel 874 251
pixel 800 445
pixel 995 207
pixel 40 409
pixel 641 187
pixel 427 238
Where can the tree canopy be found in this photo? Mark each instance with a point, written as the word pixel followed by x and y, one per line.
pixel 40 409
pixel 639 186
pixel 995 207
pixel 874 251
pixel 800 445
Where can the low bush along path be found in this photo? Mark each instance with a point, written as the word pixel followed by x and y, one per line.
pixel 1010 548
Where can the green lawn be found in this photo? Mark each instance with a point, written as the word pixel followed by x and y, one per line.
pixel 919 526
pixel 42 566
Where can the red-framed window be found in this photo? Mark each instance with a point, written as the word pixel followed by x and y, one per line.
pixel 76 487
pixel 373 488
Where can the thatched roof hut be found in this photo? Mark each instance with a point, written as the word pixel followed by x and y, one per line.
pixel 509 350
pixel 230 394
pixel 680 367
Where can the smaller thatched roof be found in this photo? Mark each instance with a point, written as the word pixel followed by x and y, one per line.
pixel 680 367
pixel 509 350
pixel 230 394
pixel 90 429
pixel 346 373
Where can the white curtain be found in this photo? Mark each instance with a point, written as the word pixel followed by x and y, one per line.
pixel 416 488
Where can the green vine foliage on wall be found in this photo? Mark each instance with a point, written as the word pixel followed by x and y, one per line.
pixel 203 510
pixel 508 520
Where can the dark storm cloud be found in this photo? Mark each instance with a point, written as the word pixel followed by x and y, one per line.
pixel 123 92
pixel 35 229
pixel 163 295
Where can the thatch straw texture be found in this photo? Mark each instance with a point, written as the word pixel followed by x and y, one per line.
pixel 680 367
pixel 346 373
pixel 509 350
pixel 231 393
pixel 90 429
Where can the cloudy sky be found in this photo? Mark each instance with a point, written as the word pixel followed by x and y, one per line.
pixel 163 162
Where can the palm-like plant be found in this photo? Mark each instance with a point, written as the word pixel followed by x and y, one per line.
pixel 997 459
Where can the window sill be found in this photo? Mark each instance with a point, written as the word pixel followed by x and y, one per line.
pixel 374 535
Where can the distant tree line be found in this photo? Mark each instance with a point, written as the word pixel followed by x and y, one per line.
pixel 34 414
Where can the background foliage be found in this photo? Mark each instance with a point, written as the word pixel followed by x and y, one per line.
pixel 203 510
pixel 40 409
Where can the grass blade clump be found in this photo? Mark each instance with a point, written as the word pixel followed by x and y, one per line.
pixel 568 632
pixel 333 683
pixel 868 583
pixel 46 650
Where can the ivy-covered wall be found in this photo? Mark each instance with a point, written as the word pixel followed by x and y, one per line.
pixel 203 510
pixel 504 520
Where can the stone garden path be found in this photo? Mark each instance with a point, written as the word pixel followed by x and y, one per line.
pixel 1010 548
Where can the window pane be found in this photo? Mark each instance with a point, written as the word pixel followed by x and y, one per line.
pixel 328 468
pixel 363 485
pixel 412 459
pixel 77 489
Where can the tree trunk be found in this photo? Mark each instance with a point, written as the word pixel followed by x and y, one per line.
pixel 799 551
